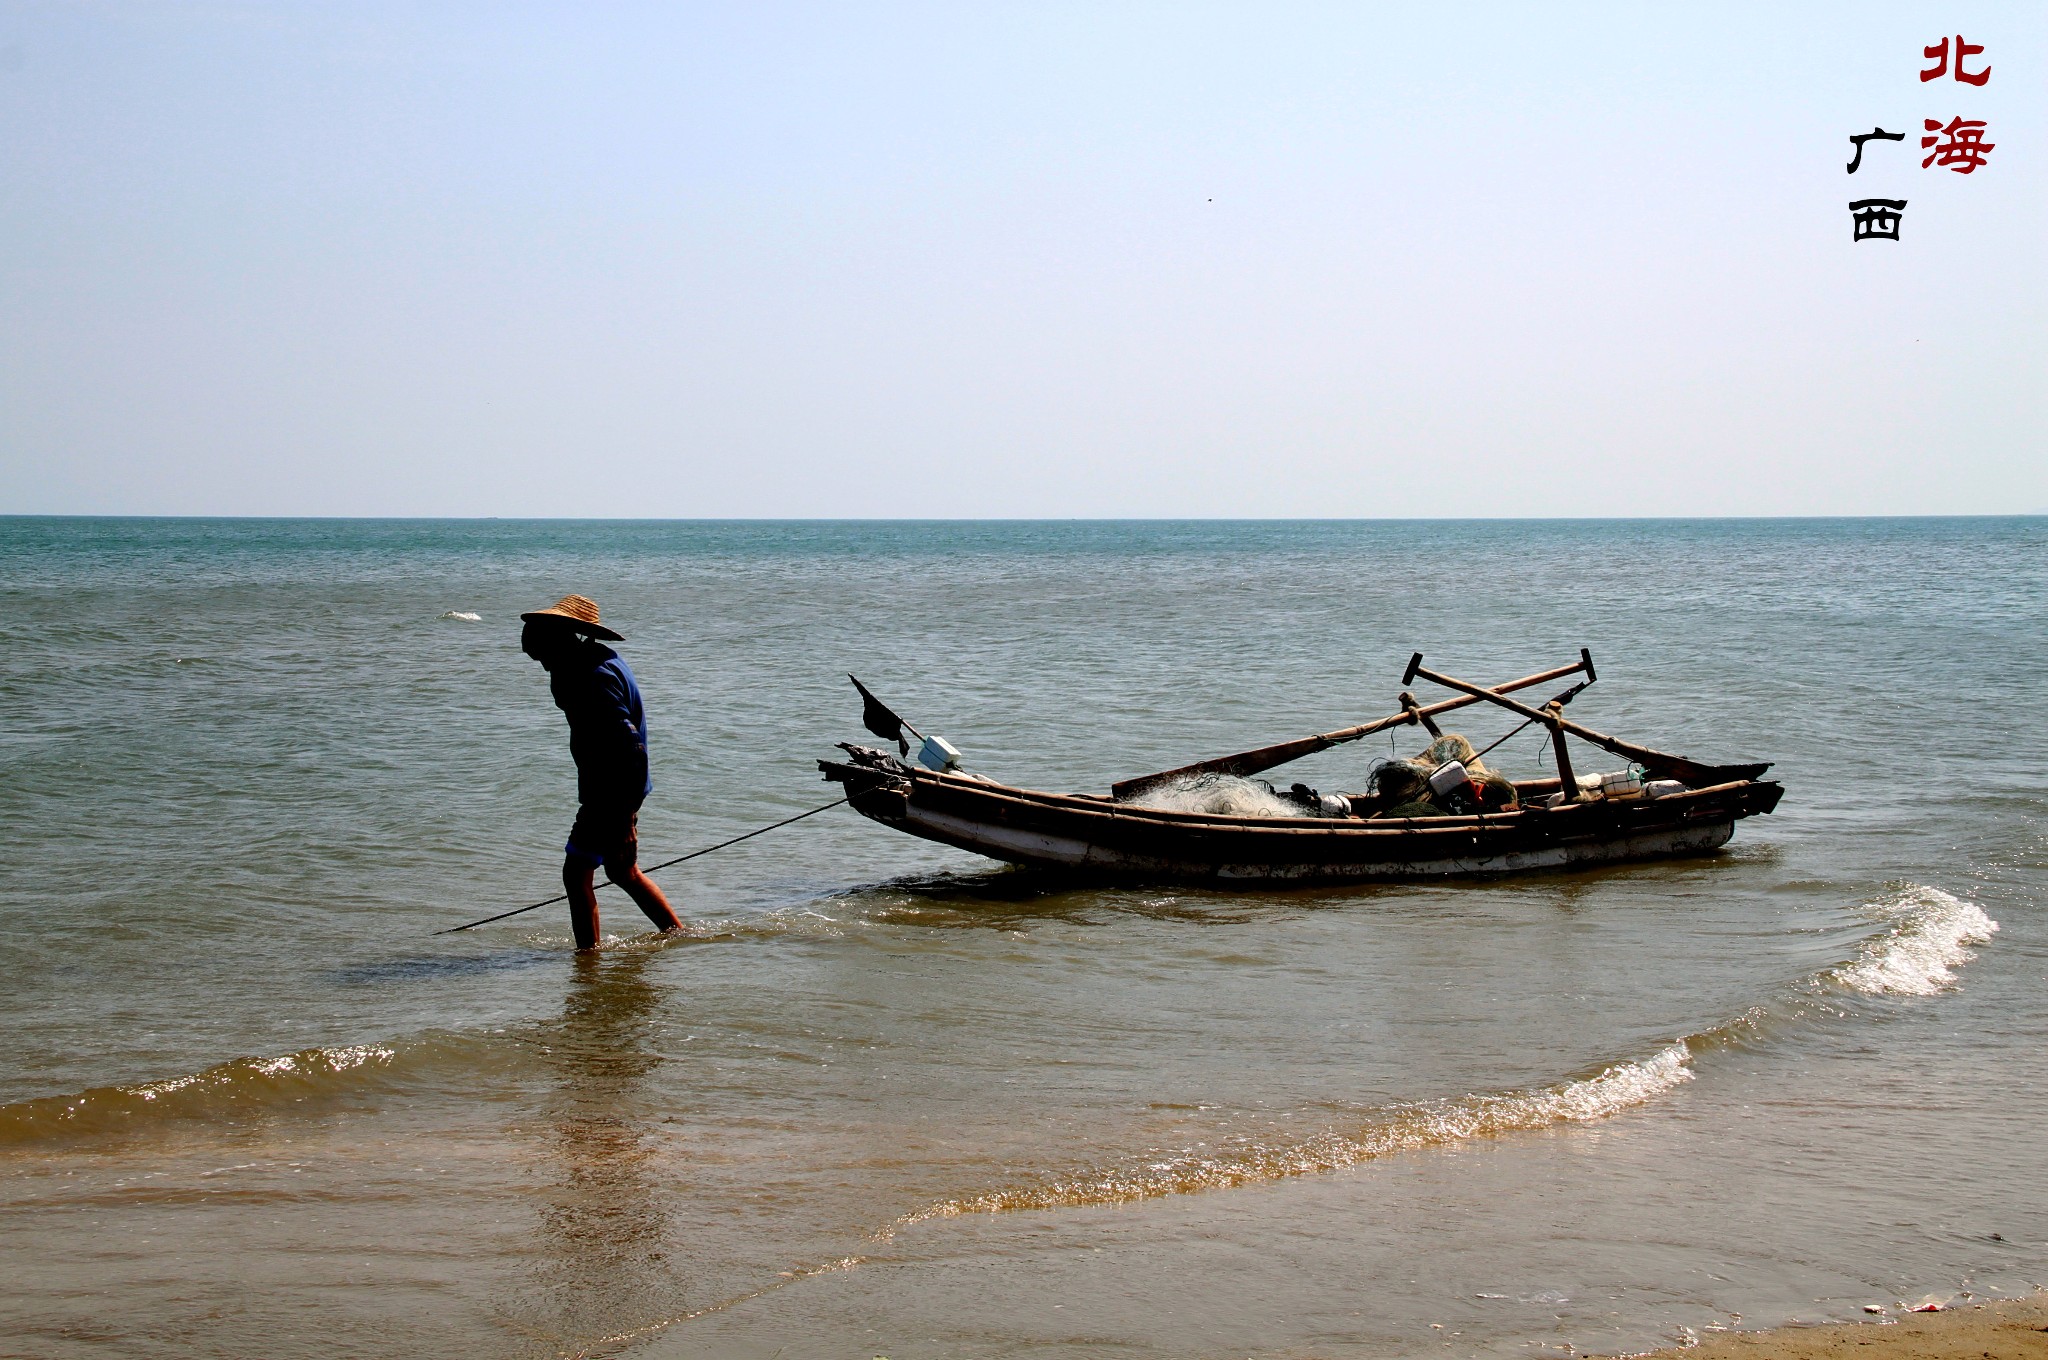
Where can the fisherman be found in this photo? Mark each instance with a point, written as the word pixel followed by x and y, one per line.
pixel 608 737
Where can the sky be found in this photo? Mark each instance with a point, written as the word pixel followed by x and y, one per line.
pixel 1034 260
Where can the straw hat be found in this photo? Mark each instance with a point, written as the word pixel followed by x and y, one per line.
pixel 581 613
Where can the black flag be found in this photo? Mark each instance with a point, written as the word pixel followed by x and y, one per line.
pixel 876 717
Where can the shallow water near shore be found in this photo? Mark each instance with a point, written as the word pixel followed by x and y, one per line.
pixel 884 1098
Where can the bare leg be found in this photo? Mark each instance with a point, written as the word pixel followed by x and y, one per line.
pixel 576 881
pixel 649 898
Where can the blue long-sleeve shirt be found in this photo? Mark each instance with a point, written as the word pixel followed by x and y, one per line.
pixel 595 689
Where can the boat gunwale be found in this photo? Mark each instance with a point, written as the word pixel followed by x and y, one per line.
pixel 1536 818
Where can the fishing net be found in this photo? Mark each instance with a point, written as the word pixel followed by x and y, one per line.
pixel 1403 785
pixel 1400 780
pixel 1225 795
pixel 1495 788
pixel 1453 746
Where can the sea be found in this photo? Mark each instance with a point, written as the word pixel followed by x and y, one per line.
pixel 882 1098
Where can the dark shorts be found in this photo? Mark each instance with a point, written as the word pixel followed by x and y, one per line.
pixel 605 834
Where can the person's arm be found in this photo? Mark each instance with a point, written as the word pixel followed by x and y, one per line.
pixel 612 705
pixel 625 749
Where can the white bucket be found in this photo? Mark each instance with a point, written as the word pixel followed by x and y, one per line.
pixel 1448 777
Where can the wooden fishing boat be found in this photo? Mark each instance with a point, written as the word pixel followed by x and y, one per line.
pixel 1113 837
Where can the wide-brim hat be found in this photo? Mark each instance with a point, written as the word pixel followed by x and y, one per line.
pixel 579 612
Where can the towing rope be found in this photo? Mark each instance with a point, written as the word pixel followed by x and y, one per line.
pixel 563 897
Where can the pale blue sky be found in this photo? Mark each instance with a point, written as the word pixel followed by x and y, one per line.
pixel 1036 260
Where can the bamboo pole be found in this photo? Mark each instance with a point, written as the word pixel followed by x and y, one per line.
pixel 1266 757
pixel 1566 780
pixel 1693 772
pixel 1409 705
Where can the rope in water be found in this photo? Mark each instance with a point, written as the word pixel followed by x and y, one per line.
pixel 563 897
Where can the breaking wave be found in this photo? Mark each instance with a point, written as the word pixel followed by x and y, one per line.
pixel 1927 938
pixel 1400 1128
pixel 236 1090
pixel 1924 939
pixel 464 615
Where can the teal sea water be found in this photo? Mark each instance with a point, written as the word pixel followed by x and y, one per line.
pixel 885 1098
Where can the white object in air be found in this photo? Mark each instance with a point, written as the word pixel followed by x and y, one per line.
pixel 939 754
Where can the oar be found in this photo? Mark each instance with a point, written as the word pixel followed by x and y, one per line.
pixel 1266 757
pixel 1693 772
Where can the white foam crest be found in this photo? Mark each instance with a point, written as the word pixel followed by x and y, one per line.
pixel 1225 795
pixel 311 1062
pixel 1400 1129
pixel 1615 1089
pixel 783 921
pixel 464 615
pixel 1928 938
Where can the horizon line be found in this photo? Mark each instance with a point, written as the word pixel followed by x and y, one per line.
pixel 1006 519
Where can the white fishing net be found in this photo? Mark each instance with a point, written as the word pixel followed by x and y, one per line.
pixel 1224 795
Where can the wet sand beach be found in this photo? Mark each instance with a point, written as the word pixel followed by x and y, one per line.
pixel 2009 1329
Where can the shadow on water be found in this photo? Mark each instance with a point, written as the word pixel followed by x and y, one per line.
pixel 604 1213
pixel 1013 897
pixel 1008 898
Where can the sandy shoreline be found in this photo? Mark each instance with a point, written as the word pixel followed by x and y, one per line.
pixel 2006 1329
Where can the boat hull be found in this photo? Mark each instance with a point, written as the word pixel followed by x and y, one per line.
pixel 1100 838
pixel 1063 852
